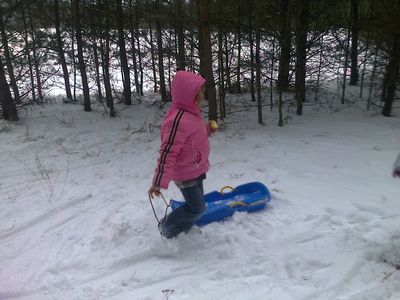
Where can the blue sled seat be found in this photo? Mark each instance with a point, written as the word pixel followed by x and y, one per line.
pixel 248 197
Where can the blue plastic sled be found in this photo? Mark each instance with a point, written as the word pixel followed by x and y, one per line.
pixel 248 197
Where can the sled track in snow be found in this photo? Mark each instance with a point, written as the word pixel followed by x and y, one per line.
pixel 44 218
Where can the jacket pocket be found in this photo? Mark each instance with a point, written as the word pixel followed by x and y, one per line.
pixel 198 158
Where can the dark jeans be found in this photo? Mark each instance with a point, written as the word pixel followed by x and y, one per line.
pixel 185 216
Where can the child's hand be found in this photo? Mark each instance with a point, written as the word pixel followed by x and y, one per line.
pixel 154 191
pixel 213 125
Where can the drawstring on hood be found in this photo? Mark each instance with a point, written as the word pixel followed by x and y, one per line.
pixel 184 88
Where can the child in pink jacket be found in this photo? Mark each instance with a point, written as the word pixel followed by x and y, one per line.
pixel 183 153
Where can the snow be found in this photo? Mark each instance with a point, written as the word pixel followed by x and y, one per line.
pixel 75 222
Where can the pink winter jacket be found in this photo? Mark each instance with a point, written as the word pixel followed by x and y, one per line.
pixel 184 134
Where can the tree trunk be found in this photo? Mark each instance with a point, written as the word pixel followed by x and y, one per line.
pixel 354 43
pixel 239 60
pixel 94 22
pixel 192 51
pixel 61 51
pixel 28 55
pixel 169 57
pixel 34 52
pixel 201 51
pixel 160 51
pixel 301 53
pixel 221 70
pixel 271 82
pixel 346 65
pixel 227 65
pixel 251 45
pixel 138 48
pixel 134 49
pixel 8 107
pixel 258 63
pixel 280 109
pixel 105 55
pixel 285 44
pixel 391 76
pixel 321 49
pixel 97 68
pixel 371 85
pixel 153 58
pixel 140 65
pixel 7 54
pixel 364 67
pixel 210 84
pixel 122 53
pixel 221 74
pixel 74 71
pixel 181 65
pixel 74 66
pixel 81 61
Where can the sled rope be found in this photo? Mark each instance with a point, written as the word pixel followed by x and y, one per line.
pixel 167 205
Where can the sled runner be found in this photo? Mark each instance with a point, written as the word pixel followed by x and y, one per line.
pixel 248 197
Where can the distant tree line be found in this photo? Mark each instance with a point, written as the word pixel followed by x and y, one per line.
pixel 115 50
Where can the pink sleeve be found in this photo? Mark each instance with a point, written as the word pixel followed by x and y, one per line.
pixel 209 131
pixel 172 142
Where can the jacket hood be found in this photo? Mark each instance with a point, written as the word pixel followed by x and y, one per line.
pixel 184 88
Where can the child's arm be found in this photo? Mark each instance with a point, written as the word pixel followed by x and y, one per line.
pixel 171 144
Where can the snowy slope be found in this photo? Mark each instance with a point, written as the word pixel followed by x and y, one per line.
pixel 75 222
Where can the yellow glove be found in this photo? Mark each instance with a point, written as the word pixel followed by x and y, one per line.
pixel 213 125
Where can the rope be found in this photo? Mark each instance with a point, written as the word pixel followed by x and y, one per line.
pixel 168 205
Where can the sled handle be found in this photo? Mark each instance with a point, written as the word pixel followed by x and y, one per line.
pixel 237 204
pixel 226 187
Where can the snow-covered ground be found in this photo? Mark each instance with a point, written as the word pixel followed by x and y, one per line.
pixel 75 221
